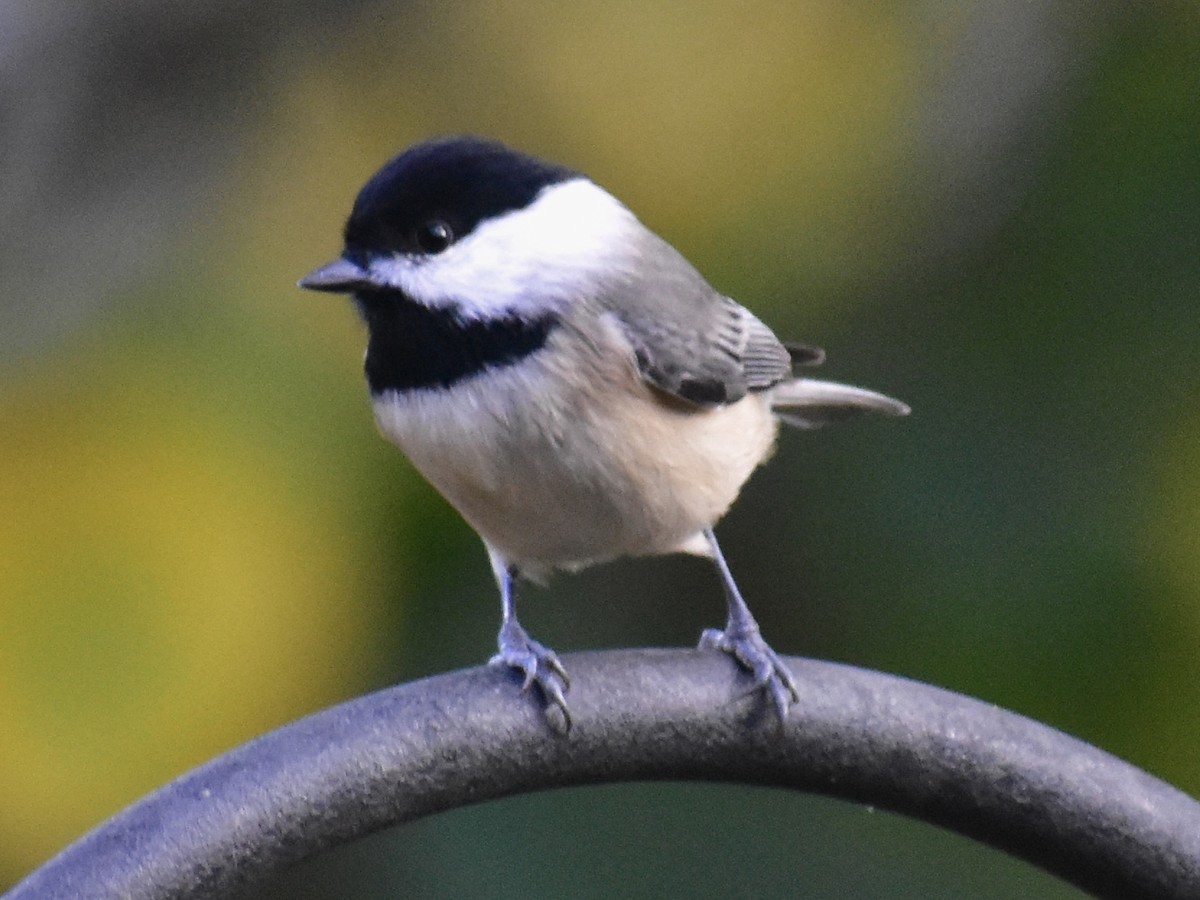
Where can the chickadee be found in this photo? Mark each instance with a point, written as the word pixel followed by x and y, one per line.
pixel 565 378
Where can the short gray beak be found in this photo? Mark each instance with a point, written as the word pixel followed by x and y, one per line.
pixel 338 277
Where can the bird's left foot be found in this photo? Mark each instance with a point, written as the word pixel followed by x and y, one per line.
pixel 756 656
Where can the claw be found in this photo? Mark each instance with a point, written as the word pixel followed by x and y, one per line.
pixel 741 640
pixel 538 663
pixel 756 656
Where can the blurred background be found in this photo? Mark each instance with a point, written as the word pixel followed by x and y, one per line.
pixel 988 208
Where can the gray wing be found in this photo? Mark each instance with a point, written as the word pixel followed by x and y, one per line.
pixel 713 356
pixel 690 341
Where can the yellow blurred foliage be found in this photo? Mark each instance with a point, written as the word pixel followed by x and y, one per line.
pixel 165 592
pixel 1173 540
pixel 768 137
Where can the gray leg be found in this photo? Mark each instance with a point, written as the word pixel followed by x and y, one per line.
pixel 742 640
pixel 518 650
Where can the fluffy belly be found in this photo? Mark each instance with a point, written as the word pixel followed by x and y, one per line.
pixel 560 479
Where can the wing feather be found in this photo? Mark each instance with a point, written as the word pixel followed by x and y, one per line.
pixel 711 358
pixel 690 341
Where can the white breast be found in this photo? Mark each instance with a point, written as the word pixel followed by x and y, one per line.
pixel 558 468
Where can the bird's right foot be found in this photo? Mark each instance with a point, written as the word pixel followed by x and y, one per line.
pixel 538 663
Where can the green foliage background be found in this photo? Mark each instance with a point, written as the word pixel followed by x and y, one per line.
pixel 990 210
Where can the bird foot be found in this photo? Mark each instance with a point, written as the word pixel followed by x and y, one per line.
pixel 538 663
pixel 757 657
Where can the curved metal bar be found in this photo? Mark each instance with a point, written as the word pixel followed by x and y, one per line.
pixel 470 736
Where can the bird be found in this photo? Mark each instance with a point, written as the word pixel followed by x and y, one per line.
pixel 566 379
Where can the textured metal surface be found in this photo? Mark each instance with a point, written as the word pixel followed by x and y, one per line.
pixel 471 736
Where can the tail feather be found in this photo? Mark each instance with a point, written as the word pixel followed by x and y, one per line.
pixel 804 354
pixel 809 403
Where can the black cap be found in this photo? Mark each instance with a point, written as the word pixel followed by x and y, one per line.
pixel 443 188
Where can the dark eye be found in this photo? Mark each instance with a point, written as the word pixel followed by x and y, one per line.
pixel 435 236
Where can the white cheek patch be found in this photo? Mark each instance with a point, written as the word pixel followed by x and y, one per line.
pixel 543 256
